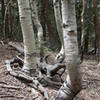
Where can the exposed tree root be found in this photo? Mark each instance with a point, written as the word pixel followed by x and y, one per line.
pixel 23 75
pixel 18 48
pixel 48 70
pixel 48 82
pixel 51 70
pixel 44 66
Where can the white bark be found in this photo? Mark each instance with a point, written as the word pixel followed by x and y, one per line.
pixel 59 26
pixel 72 85
pixel 37 24
pixel 28 34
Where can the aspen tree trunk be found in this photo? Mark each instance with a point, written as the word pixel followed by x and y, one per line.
pixel 38 26
pixel 28 34
pixel 72 85
pixel 59 26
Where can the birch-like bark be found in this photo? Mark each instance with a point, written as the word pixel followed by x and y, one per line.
pixel 28 34
pixel 72 85
pixel 38 25
pixel 59 26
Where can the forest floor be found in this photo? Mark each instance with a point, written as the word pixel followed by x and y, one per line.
pixel 13 89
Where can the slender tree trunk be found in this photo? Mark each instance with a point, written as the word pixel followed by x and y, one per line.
pixel 83 30
pixel 3 8
pixel 43 18
pixel 48 22
pixel 79 27
pixel 97 29
pixel 86 42
pixel 4 20
pixel 38 26
pixel 28 34
pixel 10 22
pixel 72 85
pixel 59 27
pixel 3 12
pixel 95 24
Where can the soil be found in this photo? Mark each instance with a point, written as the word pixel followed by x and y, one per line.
pixel 14 89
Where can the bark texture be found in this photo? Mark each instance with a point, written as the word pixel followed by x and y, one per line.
pixel 59 27
pixel 48 22
pixel 38 25
pixel 97 28
pixel 28 34
pixel 83 30
pixel 72 85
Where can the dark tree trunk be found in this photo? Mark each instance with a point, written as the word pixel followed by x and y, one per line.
pixel 3 9
pixel 43 18
pixel 95 24
pixel 48 22
pixel 86 41
pixel 3 12
pixel 10 22
pixel 97 29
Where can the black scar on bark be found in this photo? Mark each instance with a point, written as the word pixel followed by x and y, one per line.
pixel 65 25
